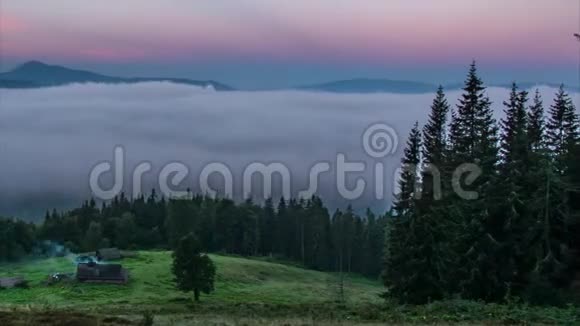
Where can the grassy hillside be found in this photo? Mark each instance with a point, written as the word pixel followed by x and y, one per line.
pixel 239 281
pixel 248 292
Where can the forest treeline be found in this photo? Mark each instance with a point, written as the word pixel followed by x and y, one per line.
pixel 299 230
pixel 17 239
pixel 516 236
pixel 520 236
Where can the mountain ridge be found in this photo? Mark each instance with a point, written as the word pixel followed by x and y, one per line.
pixel 372 85
pixel 35 74
pixel 378 85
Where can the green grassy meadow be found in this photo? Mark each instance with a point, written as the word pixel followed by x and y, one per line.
pixel 247 292
pixel 239 281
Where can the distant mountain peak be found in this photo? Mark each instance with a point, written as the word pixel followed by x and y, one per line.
pixel 33 64
pixel 35 73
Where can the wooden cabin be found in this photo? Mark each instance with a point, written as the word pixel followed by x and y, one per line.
pixel 13 282
pixel 102 273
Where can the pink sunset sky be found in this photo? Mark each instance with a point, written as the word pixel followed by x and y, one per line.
pixel 299 40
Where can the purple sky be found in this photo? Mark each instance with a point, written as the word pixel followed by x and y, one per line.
pixel 256 43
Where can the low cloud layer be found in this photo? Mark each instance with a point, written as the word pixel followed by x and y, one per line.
pixel 51 138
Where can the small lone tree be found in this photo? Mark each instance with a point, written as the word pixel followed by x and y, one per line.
pixel 193 270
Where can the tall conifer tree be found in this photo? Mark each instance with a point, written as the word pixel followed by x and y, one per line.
pixel 536 123
pixel 562 129
pixel 397 264
pixel 473 139
pixel 434 142
pixel 408 182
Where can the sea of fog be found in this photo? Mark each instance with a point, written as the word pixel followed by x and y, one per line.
pixel 52 138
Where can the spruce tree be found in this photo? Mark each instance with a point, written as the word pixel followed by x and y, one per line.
pixel 514 138
pixel 473 139
pixel 474 136
pixel 285 228
pixel 399 235
pixel 338 234
pixel 511 225
pixel 429 231
pixel 247 231
pixel 540 198
pixel 267 227
pixel 574 200
pixel 434 145
pixel 93 237
pixel 373 243
pixel 408 181
pixel 319 237
pixel 536 124
pixel 559 259
pixel 279 244
pixel 562 129
pixel 182 217
pixel 348 237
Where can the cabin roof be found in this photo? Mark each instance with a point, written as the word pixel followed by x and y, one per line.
pixel 108 254
pixel 11 282
pixel 92 271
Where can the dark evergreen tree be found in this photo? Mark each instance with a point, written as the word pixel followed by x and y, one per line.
pixel 318 243
pixel 541 193
pixel 474 130
pixel 284 230
pixel 514 140
pixel 194 271
pixel 473 139
pixel 557 266
pixel 397 271
pixel 248 230
pixel 126 231
pixel 267 228
pixel 181 219
pixel 434 145
pixel 431 230
pixel 372 245
pixel 93 237
pixel 536 123
pixel 574 220
pixel 17 239
pixel 512 226
pixel 562 130
pixel 408 181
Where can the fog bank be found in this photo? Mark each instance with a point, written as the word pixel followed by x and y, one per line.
pixel 51 138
